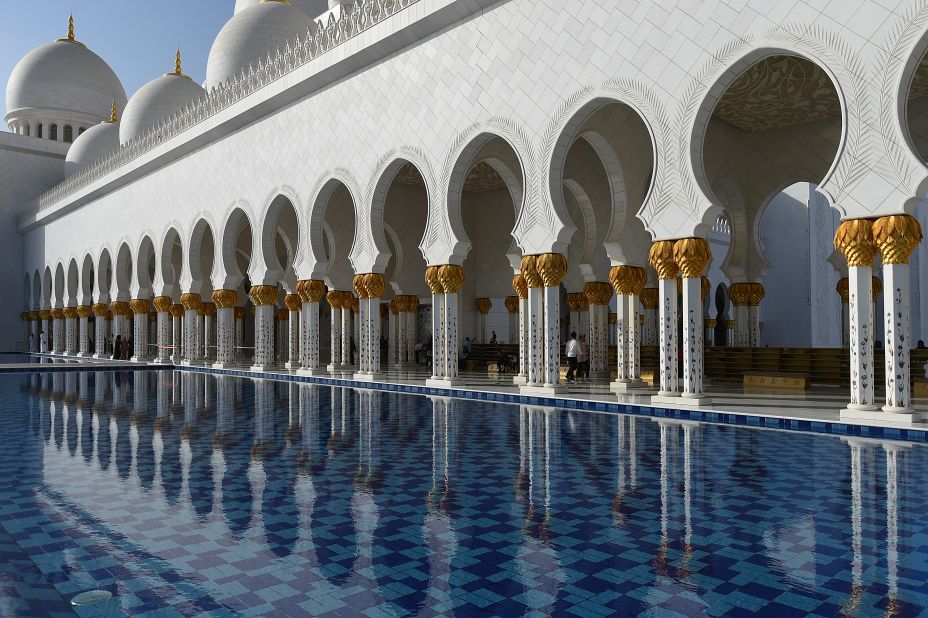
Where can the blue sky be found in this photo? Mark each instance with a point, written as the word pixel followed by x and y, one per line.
pixel 137 38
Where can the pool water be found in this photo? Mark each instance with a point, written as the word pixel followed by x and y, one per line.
pixel 187 493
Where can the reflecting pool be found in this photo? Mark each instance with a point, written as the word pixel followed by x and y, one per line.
pixel 214 495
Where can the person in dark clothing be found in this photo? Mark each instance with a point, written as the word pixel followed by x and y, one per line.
pixel 117 347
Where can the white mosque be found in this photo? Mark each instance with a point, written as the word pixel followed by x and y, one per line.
pixel 707 180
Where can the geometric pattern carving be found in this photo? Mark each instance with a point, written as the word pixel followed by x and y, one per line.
pixel 779 91
pixel 481 178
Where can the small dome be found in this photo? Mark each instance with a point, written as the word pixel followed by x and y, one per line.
pixel 62 81
pixel 155 101
pixel 313 8
pixel 91 145
pixel 251 35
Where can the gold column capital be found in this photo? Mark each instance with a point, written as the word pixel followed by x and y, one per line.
pixel 191 301
pixel 512 304
pixel 660 257
pixel 843 288
pixel 551 267
pixel 119 307
pixel 334 297
pixel 70 313
pixel 45 314
pixel 649 298
pixel 263 295
pixel 519 286
pixel 310 290
pixel 896 237
pixel 628 280
pixel 706 287
pixel 239 313
pixel 529 269
pixel 432 279
pixel 225 299
pixel 177 310
pixel 854 239
pixel 572 301
pixel 597 292
pixel 691 255
pixel 140 306
pixel 374 283
pixel 293 302
pixel 208 310
pixel 359 284
pixel 483 305
pixel 451 278
pixel 100 310
pixel 283 315
pixel 395 305
pixel 163 303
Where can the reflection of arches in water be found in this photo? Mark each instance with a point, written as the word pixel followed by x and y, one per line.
pixel 145 455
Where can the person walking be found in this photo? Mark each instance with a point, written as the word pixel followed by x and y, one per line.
pixel 583 360
pixel 572 349
pixel 117 347
pixel 31 342
pixel 43 342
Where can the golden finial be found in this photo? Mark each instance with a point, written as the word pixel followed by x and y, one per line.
pixel 177 72
pixel 71 38
pixel 114 115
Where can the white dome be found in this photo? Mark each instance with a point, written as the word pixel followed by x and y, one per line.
pixel 90 145
pixel 154 102
pixel 313 8
pixel 250 36
pixel 63 81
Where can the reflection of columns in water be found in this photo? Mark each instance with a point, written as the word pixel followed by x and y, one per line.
pixel 892 530
pixel 225 405
pixel 140 392
pixel 438 527
pixel 162 401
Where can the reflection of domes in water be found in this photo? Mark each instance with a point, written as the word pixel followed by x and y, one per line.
pixel 93 144
pixel 157 100
pixel 62 82
pixel 250 36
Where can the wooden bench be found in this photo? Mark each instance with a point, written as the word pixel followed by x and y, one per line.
pixel 776 379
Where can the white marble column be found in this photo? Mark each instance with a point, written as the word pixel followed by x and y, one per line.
pixel 334 298
pixel 897 237
pixel 438 313
pixel 627 282
pixel 191 302
pixel 294 305
pixel 70 328
pixel 692 256
pixel 536 349
pixel 239 351
pixel 348 330
pixel 521 288
pixel 140 310
pixel 649 298
pixel 445 282
pixel 693 341
pixel 162 306
pixel 100 312
pixel 83 327
pixel 265 299
pixel 311 292
pixel 58 329
pixel 225 301
pixel 661 258
pixel 177 333
pixel 200 341
pixel 450 336
pixel 854 239
pixel 544 305
pixel 598 294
